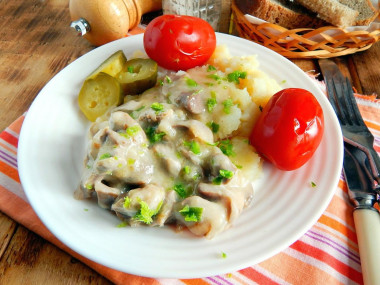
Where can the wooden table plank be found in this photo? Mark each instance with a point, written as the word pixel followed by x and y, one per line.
pixel 367 67
pixel 29 259
pixel 7 230
pixel 35 43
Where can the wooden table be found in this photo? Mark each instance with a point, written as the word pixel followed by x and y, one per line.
pixel 35 43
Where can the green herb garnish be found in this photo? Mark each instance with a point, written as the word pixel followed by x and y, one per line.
pixel 226 147
pixel 191 82
pixel 193 146
pixel 214 76
pixel 213 126
pixel 236 75
pixel 181 190
pixel 186 169
pixel 145 214
pixel 122 225
pixel 153 136
pixel 312 183
pixel 130 69
pixel 105 155
pixel 226 173
pixel 127 202
pixel 191 214
pixel 157 107
pixel 210 68
pixel 223 174
pixel 227 106
pixel 211 103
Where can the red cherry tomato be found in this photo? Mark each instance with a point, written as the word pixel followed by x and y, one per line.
pixel 289 129
pixel 179 42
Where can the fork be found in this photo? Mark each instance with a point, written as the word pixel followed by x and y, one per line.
pixel 355 131
pixel 362 167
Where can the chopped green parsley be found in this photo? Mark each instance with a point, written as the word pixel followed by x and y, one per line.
pixel 191 214
pixel 213 126
pixel 181 190
pixel 186 169
pixel 193 146
pixel 122 225
pixel 211 103
pixel 105 155
pixel 236 75
pixel 191 82
pixel 226 173
pixel 214 76
pixel 223 174
pixel 153 136
pixel 210 68
pixel 131 69
pixel 145 214
pixel 312 183
pixel 157 107
pixel 127 202
pixel 131 131
pixel 226 147
pixel 227 106
pixel 224 255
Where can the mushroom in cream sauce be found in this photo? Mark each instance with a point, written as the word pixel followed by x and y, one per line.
pixel 176 154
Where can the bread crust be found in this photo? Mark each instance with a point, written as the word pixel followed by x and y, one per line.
pixel 367 12
pixel 316 13
pixel 276 13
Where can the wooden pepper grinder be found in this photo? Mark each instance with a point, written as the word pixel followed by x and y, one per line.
pixel 103 21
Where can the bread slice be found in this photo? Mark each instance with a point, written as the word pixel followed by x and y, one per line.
pixel 367 12
pixel 343 13
pixel 332 11
pixel 281 12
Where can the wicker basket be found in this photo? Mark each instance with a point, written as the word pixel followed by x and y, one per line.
pixel 304 42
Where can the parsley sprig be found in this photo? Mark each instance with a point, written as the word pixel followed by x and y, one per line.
pixel 236 75
pixel 153 135
pixel 223 174
pixel 191 214
pixel 145 214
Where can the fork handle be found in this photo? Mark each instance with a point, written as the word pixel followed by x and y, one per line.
pixel 367 225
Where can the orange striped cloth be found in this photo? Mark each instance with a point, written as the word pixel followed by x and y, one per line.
pixel 326 254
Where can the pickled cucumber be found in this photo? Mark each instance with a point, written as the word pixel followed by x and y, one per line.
pixel 112 65
pixel 98 95
pixel 138 75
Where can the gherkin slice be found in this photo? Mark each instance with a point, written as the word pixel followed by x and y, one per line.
pixel 98 95
pixel 112 65
pixel 138 75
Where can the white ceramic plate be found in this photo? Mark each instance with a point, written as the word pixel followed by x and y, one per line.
pixel 52 148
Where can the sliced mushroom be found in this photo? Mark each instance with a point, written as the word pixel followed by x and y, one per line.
pixel 218 162
pixel 234 201
pixel 213 219
pixel 192 102
pixel 170 160
pixel 151 194
pixel 106 195
pixel 197 130
pixel 166 211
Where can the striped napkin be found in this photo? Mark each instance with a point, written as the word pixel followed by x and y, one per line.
pixel 326 254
